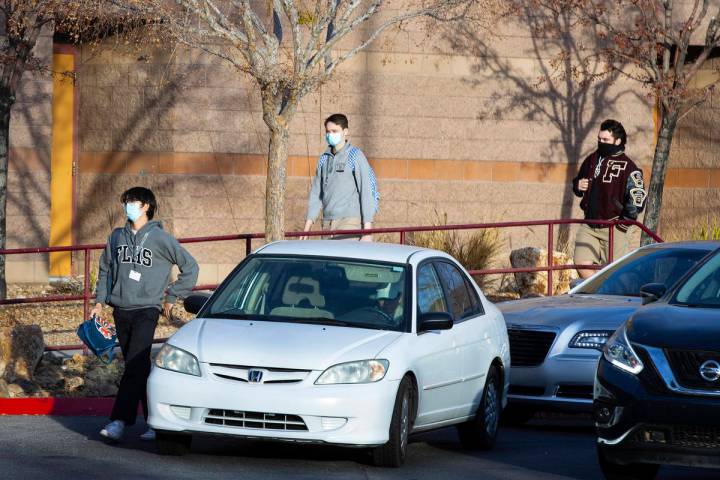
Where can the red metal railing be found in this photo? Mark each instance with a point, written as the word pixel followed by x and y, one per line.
pixel 402 231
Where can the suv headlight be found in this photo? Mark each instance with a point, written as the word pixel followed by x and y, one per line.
pixel 590 339
pixel 364 371
pixel 177 360
pixel 619 352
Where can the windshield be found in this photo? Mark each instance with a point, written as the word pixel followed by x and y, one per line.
pixel 702 289
pixel 315 290
pixel 650 265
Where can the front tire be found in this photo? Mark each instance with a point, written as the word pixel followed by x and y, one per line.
pixel 393 453
pixel 632 471
pixel 481 432
pixel 173 443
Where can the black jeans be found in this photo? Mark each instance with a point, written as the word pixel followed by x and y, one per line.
pixel 135 331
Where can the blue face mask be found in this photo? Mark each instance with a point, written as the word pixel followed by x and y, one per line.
pixel 334 139
pixel 132 210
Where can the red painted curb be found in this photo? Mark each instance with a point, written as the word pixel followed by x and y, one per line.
pixel 92 406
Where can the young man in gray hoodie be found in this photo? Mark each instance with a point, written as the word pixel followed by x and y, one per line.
pixel 134 279
pixel 344 187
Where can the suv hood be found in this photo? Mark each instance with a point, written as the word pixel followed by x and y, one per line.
pixel 279 344
pixel 563 310
pixel 670 326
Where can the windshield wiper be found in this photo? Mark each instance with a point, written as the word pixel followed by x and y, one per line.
pixel 319 321
pixel 239 316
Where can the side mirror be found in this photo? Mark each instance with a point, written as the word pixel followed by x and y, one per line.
pixel 652 292
pixel 435 321
pixel 193 303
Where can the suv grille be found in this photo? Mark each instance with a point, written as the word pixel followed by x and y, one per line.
pixel 686 364
pixel 528 348
pixel 257 420
pixel 680 436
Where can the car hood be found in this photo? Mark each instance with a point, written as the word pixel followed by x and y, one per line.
pixel 279 344
pixel 671 326
pixel 562 310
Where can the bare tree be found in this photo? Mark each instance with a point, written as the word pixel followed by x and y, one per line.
pixel 21 24
pixel 290 48
pixel 662 45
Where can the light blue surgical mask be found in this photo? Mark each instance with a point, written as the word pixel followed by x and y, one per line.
pixel 132 210
pixel 334 138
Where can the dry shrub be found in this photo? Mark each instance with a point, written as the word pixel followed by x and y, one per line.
pixel 474 250
pixel 707 231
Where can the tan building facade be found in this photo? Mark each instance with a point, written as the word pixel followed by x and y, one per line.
pixel 468 133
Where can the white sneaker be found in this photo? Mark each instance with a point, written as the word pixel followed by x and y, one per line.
pixel 149 435
pixel 113 430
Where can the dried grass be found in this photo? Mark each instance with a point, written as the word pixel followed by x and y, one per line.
pixel 474 250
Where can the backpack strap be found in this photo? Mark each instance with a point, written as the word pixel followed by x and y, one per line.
pixel 357 187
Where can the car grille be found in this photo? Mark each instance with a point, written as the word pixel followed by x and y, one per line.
pixel 241 373
pixel 700 437
pixel 255 420
pixel 526 391
pixel 686 364
pixel 528 348
pixel 584 392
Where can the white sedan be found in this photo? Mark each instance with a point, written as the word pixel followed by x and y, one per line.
pixel 347 343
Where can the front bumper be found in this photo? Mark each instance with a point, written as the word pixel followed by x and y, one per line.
pixel 639 421
pixel 357 415
pixel 562 382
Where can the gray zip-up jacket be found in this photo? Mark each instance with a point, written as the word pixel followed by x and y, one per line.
pixel 339 193
pixel 151 253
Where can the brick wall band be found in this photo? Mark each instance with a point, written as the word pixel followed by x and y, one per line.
pixel 385 168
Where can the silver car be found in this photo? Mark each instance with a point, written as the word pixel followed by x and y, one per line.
pixel 555 342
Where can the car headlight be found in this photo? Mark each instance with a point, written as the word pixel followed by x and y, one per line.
pixel 619 352
pixel 364 371
pixel 590 339
pixel 177 360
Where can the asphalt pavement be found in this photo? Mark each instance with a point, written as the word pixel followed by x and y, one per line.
pixel 70 448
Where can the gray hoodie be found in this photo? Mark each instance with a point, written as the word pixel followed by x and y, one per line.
pixel 155 252
pixel 344 186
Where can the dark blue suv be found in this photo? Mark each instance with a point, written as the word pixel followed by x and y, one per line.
pixel 656 396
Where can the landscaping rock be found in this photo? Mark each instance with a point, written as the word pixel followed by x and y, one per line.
pixel 15 390
pixel 535 283
pixel 21 349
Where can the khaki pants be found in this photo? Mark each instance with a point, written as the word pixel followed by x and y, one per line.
pixel 591 245
pixel 350 223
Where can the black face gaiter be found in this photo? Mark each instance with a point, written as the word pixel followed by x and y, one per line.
pixel 608 149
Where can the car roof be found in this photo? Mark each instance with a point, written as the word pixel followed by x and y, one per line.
pixel 707 245
pixel 384 252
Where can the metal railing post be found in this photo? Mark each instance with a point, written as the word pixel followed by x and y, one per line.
pixel 248 246
pixel 611 242
pixel 86 286
pixel 402 237
pixel 550 259
pixel 86 293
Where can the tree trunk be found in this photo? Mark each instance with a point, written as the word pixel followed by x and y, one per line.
pixel 276 180
pixel 657 176
pixel 6 101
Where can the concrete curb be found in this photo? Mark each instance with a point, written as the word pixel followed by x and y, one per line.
pixel 89 406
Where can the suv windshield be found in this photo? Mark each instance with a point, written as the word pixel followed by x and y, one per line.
pixel 649 265
pixel 315 290
pixel 702 289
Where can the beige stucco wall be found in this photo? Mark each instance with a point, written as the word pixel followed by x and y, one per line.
pixel 451 126
pixel 28 195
